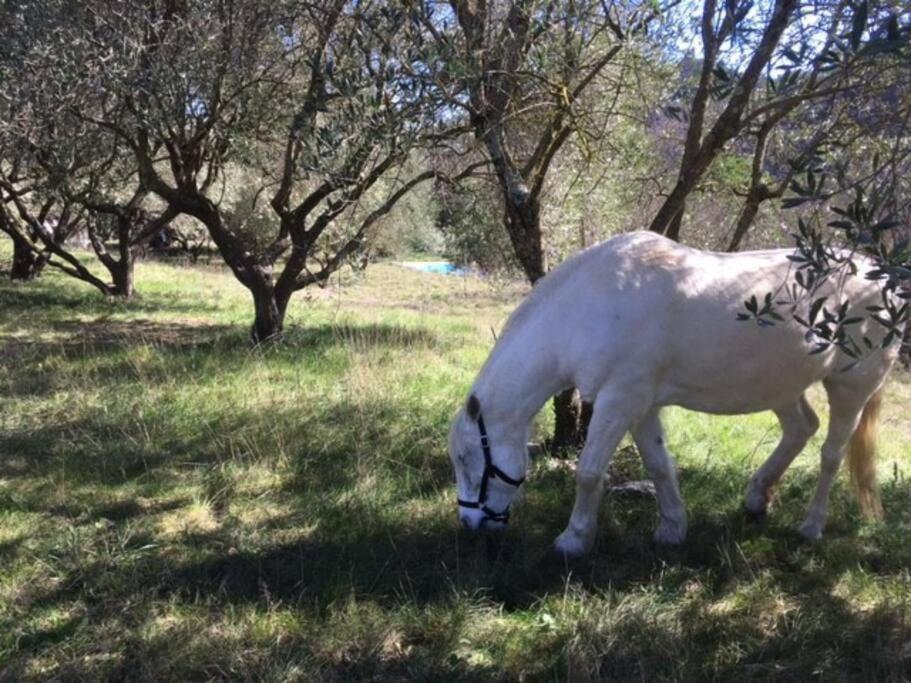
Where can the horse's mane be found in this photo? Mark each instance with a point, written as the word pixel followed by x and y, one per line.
pixel 664 253
pixel 539 292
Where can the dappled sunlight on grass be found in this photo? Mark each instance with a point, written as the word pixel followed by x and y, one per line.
pixel 175 505
pixel 196 519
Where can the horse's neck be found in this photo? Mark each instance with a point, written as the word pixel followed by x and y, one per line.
pixel 518 378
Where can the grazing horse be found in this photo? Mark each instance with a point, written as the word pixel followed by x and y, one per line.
pixel 639 322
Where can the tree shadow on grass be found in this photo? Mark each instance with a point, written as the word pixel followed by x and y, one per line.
pixel 57 300
pixel 179 336
pixel 106 511
pixel 394 557
pixel 400 558
pixel 327 450
pixel 391 555
pixel 9 548
pixel 84 340
pixel 65 447
pixel 108 347
pixel 364 336
pixel 180 348
pixel 403 563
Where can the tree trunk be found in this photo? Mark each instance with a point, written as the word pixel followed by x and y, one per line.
pixel 26 264
pixel 673 228
pixel 744 221
pixel 270 306
pixel 572 417
pixel 523 224
pixel 268 324
pixel 122 278
pixel 122 270
pixel 669 217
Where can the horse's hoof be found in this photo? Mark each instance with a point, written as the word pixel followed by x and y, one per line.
pixel 811 532
pixel 670 534
pixel 570 546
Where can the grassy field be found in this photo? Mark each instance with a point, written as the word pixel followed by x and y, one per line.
pixel 176 506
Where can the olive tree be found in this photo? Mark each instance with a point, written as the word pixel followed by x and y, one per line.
pixel 304 108
pixel 853 199
pixel 38 227
pixel 516 71
pixel 762 70
pixel 59 175
pixel 40 217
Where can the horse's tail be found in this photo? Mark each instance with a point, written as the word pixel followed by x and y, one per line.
pixel 862 459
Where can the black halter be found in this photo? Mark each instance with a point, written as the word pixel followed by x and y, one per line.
pixel 491 471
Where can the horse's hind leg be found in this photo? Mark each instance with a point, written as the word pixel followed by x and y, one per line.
pixel 649 438
pixel 614 412
pixel 846 404
pixel 798 424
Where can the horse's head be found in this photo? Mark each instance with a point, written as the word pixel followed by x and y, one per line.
pixel 489 464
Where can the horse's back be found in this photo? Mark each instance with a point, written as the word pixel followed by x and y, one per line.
pixel 642 308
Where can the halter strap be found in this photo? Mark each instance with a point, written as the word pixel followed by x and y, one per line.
pixel 491 471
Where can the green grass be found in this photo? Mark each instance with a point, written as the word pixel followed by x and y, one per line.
pixel 176 506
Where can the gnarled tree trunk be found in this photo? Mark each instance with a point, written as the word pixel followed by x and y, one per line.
pixel 270 305
pixel 572 416
pixel 27 265
pixel 268 323
pixel 122 278
pixel 122 269
pixel 522 218
pixel 701 148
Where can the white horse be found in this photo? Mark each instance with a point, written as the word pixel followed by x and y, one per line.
pixel 640 322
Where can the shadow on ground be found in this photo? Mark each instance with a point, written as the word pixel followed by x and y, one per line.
pixel 399 564
pixel 673 613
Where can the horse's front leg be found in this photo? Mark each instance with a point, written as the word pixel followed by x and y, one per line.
pixel 612 416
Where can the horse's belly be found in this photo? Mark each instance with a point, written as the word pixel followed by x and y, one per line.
pixel 751 387
pixel 730 403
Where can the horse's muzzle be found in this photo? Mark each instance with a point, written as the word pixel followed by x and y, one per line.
pixel 473 522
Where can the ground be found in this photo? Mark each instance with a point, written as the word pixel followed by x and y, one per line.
pixel 177 506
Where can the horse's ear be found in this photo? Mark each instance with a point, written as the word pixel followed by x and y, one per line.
pixel 473 408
